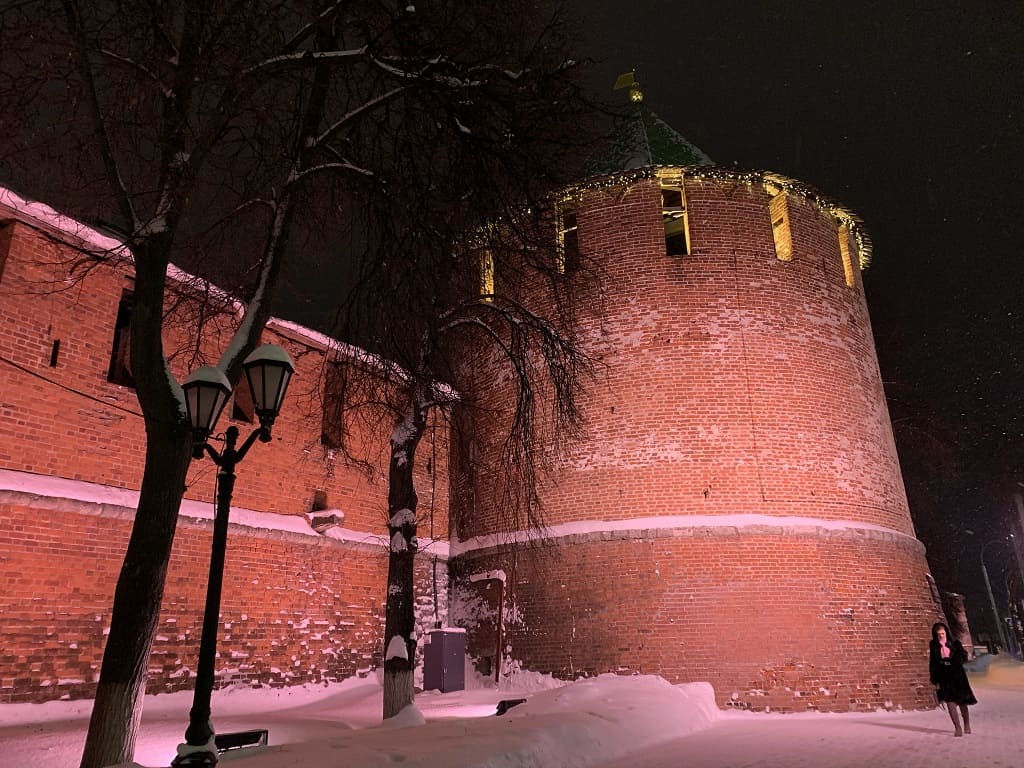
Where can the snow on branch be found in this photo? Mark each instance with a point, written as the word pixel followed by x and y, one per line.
pixel 342 166
pixel 302 59
pixel 424 73
pixel 508 74
pixel 469 80
pixel 340 122
pixel 304 33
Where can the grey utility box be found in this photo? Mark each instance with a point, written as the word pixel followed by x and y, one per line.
pixel 444 660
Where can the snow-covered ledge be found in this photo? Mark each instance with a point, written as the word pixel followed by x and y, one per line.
pixel 671 526
pixel 124 501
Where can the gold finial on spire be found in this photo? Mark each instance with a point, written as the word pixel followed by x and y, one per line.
pixel 628 80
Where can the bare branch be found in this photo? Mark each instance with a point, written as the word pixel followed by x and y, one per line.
pixel 138 67
pixel 304 34
pixel 303 59
pixel 425 72
pixel 324 167
pixel 359 111
pixel 114 178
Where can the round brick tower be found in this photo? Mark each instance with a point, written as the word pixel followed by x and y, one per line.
pixel 735 512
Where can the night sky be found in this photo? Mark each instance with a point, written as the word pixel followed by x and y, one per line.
pixel 910 114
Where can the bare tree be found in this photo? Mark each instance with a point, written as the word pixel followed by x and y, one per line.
pixel 468 262
pixel 224 135
pixel 508 357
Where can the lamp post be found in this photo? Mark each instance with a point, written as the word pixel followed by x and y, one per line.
pixel 1018 544
pixel 991 598
pixel 1018 551
pixel 268 371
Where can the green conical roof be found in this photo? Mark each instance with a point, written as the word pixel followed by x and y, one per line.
pixel 666 146
pixel 642 145
pixel 643 139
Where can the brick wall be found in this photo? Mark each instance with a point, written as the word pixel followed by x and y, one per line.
pixel 295 608
pixel 779 618
pixel 286 616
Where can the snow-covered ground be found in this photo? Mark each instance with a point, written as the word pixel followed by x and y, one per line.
pixel 610 722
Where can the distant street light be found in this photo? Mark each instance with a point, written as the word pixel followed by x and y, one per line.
pixel 991 599
pixel 1018 544
pixel 268 371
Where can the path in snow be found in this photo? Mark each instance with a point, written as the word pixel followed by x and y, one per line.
pixel 876 740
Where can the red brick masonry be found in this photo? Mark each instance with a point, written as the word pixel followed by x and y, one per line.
pixel 735 511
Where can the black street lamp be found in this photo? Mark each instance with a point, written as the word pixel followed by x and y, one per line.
pixel 268 371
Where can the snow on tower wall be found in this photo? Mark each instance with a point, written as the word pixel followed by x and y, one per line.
pixel 303 593
pixel 735 512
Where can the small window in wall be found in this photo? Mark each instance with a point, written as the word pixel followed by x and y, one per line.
pixel 846 255
pixel 674 217
pixel 778 208
pixel 319 500
pixel 119 371
pixel 332 426
pixel 568 239
pixel 487 276
pixel 242 407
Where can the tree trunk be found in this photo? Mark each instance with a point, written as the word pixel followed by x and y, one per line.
pixel 398 690
pixel 140 587
pixel 399 621
pixel 400 618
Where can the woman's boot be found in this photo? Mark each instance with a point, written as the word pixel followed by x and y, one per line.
pixel 955 717
pixel 966 717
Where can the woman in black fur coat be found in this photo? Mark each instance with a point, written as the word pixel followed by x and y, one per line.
pixel 946 659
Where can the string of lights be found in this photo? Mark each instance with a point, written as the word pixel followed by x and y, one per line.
pixel 751 177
